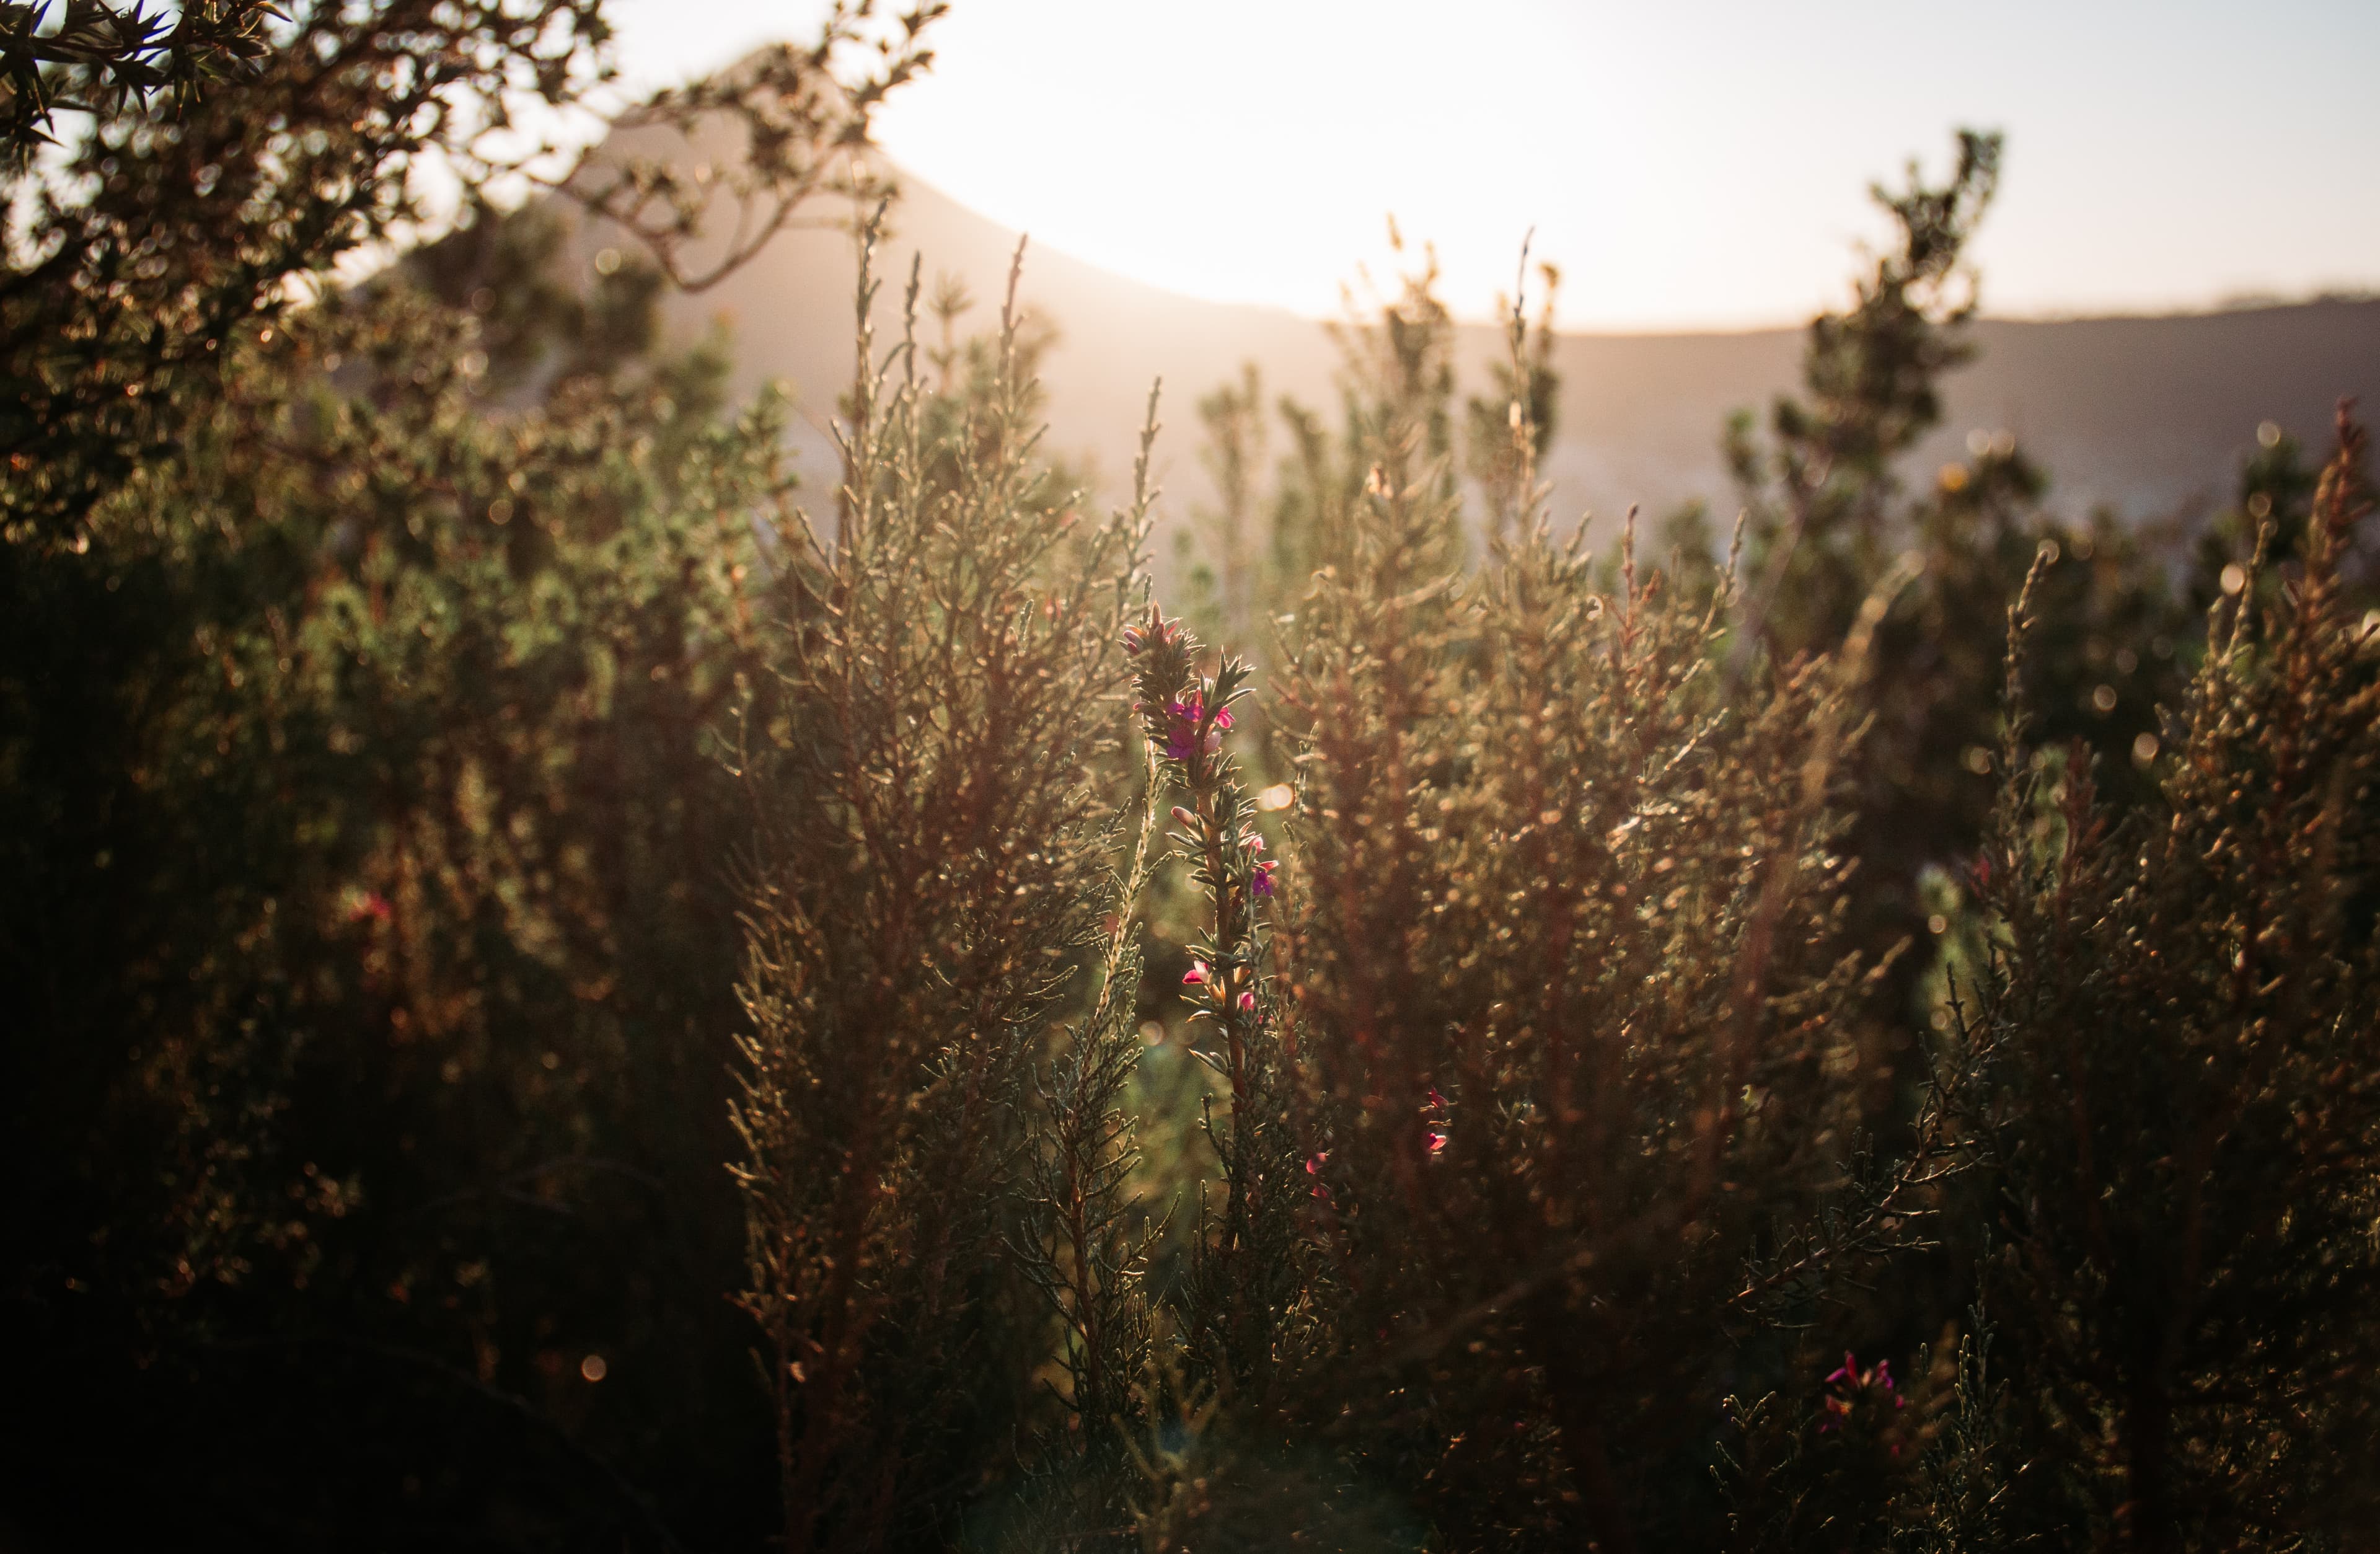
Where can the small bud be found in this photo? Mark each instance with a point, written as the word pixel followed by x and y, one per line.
pixel 1185 817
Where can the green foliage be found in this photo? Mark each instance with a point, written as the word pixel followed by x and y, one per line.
pixel 1567 996
pixel 371 870
pixel 1509 429
pixel 1819 492
pixel 113 58
pixel 1085 1239
pixel 931 848
pixel 219 173
pixel 1408 694
pixel 1829 516
pixel 366 650
pixel 2173 1020
pixel 1398 367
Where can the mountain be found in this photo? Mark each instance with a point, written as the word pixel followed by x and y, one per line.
pixel 2151 415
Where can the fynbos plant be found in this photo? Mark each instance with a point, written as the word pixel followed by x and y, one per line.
pixel 1085 1240
pixel 1084 1235
pixel 931 850
pixel 1245 1288
pixel 1567 1001
pixel 2183 1123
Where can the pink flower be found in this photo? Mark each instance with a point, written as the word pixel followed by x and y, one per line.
pixel 1247 1003
pixel 1198 974
pixel 1182 727
pixel 1260 878
pixel 371 904
pixel 1181 730
pixel 1437 1102
pixel 1850 1382
pixel 1183 720
pixel 1436 1136
pixel 1251 841
pixel 1214 740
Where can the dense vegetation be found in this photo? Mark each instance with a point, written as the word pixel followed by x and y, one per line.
pixel 567 992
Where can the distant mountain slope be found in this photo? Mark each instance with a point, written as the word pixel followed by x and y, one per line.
pixel 2150 415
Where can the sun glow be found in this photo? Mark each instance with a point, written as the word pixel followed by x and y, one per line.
pixel 1687 166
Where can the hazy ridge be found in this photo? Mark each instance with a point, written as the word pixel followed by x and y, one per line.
pixel 2150 415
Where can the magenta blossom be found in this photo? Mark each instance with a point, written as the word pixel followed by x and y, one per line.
pixel 1850 1383
pixel 1851 1376
pixel 1260 878
pixel 1182 719
pixel 1196 974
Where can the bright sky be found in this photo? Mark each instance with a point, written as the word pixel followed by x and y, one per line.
pixel 1695 163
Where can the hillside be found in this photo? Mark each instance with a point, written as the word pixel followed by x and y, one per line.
pixel 2149 414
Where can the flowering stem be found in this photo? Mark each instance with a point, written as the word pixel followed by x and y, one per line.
pixel 1186 716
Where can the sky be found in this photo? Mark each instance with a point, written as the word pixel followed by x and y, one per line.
pixel 1691 165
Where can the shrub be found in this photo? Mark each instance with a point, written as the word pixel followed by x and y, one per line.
pixel 2172 1014
pixel 931 850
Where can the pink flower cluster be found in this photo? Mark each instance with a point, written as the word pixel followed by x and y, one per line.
pixel 1201 975
pixel 1850 1384
pixel 1183 720
pixel 1260 871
